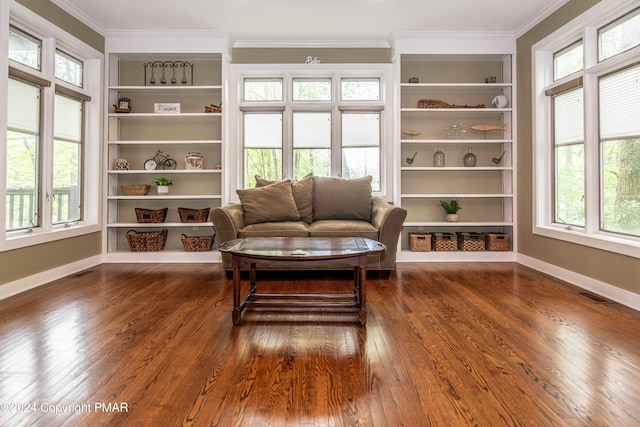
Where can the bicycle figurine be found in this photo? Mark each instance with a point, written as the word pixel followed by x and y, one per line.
pixel 160 160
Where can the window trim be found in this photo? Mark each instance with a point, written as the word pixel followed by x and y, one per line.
pixel 584 27
pixel 381 71
pixel 53 37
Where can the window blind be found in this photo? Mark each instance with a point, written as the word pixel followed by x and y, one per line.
pixel 263 130
pixel 620 104
pixel 568 116
pixel 67 119
pixel 312 130
pixel 24 107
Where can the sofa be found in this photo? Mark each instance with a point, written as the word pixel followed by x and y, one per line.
pixel 313 207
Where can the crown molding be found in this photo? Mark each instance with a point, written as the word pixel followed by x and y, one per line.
pixel 248 43
pixel 541 16
pixel 80 16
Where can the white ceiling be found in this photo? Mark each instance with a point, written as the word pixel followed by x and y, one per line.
pixel 312 20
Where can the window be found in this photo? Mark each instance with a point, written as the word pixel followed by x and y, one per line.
pixel 568 61
pixel 587 132
pixel 24 49
pixel 327 125
pixel 568 126
pixel 311 144
pixel 52 126
pixel 262 145
pixel 67 159
pixel 68 69
pixel 619 36
pixel 23 154
pixel 619 95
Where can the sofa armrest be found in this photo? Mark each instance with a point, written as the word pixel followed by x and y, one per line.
pixel 388 219
pixel 227 220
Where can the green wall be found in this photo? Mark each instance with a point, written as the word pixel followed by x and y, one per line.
pixel 299 55
pixel 618 270
pixel 62 19
pixel 20 263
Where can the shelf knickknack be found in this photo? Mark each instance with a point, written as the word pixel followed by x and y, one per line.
pixel 168 73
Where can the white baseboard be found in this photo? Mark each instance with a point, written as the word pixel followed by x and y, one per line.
pixel 606 290
pixel 21 285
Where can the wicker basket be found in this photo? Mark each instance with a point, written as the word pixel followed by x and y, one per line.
pixel 445 242
pixel 135 190
pixel 193 215
pixel 471 241
pixel 197 243
pixel 147 241
pixel 498 241
pixel 420 242
pixel 151 215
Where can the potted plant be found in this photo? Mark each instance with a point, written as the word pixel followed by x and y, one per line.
pixel 451 208
pixel 163 184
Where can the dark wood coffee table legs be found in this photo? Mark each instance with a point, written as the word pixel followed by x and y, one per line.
pixel 355 301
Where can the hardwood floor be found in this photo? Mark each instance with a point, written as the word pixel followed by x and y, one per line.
pixel 493 344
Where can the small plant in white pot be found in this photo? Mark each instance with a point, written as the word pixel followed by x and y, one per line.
pixel 451 208
pixel 163 184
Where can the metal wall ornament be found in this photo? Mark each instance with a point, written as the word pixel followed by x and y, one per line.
pixel 155 72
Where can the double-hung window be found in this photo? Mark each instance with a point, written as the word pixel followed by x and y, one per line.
pixel 330 123
pixel 587 131
pixel 50 181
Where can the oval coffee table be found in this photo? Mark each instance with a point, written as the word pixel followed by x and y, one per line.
pixel 292 252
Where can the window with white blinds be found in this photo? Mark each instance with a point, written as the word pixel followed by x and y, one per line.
pixel 587 131
pixel 53 128
pixel 67 158
pixel 619 95
pixel 23 156
pixel 568 112
pixel 326 125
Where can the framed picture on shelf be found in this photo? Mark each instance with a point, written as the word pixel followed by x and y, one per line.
pixel 166 108
pixel 123 105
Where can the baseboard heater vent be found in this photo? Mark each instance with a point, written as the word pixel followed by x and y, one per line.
pixel 595 298
pixel 81 273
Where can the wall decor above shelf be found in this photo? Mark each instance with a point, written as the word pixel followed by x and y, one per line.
pixel 168 89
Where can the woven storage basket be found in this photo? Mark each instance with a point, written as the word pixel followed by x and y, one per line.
pixel 420 242
pixel 498 241
pixel 193 215
pixel 197 243
pixel 445 242
pixel 471 241
pixel 135 190
pixel 151 215
pixel 147 241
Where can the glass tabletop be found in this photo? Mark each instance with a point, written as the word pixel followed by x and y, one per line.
pixel 302 247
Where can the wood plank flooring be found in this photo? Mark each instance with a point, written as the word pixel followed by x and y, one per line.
pixel 492 344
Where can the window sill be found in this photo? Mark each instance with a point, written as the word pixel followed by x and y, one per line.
pixel 603 241
pixel 22 239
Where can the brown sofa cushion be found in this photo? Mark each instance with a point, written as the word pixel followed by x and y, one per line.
pixel 336 198
pixel 276 229
pixel 343 228
pixel 267 204
pixel 302 193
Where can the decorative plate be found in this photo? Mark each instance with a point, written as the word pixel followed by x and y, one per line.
pixel 499 101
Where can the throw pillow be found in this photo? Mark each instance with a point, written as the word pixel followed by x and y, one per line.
pixel 335 198
pixel 302 193
pixel 268 204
